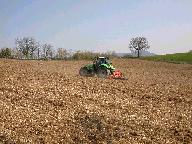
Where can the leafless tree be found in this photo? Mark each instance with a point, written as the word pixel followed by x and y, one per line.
pixel 47 51
pixel 138 44
pixel 27 46
pixel 61 53
pixel 38 53
pixel 17 54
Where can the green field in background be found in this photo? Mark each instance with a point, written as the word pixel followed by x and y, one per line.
pixel 174 58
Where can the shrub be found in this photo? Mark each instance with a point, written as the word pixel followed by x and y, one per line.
pixel 87 55
pixel 5 53
pixel 84 55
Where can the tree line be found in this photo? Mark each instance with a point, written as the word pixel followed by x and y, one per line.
pixel 30 48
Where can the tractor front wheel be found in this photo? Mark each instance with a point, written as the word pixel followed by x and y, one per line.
pixel 103 73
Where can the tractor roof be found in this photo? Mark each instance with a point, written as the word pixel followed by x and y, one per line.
pixel 102 57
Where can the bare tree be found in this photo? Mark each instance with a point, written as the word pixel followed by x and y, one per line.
pixel 47 51
pixel 38 53
pixel 138 44
pixel 61 53
pixel 34 49
pixel 27 46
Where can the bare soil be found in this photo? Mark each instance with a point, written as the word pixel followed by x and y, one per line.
pixel 48 102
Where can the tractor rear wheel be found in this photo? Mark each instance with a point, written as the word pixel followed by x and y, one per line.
pixel 85 72
pixel 103 73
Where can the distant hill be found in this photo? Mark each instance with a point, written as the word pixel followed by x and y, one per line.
pixel 122 54
pixel 143 53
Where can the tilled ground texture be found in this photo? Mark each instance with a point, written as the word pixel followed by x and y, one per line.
pixel 47 102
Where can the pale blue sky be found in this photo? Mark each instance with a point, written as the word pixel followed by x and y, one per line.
pixel 99 25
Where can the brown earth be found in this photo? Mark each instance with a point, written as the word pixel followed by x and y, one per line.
pixel 47 102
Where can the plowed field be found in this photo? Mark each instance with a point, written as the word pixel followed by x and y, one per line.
pixel 47 102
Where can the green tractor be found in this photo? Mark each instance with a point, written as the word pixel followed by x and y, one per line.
pixel 101 67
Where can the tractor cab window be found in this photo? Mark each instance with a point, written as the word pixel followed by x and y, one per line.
pixel 101 60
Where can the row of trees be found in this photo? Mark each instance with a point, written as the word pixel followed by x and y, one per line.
pixel 29 48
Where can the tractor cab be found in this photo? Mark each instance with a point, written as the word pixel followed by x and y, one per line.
pixel 101 60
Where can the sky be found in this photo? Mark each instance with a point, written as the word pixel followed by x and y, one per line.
pixel 99 25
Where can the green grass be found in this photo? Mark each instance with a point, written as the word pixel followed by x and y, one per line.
pixel 174 58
